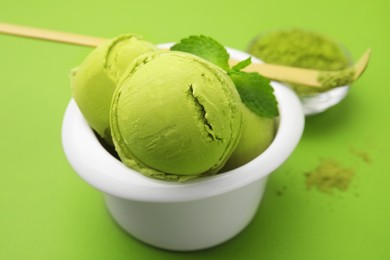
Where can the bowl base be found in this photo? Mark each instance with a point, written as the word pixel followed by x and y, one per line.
pixel 188 226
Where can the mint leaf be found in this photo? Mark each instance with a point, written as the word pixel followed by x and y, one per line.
pixel 242 64
pixel 255 92
pixel 206 48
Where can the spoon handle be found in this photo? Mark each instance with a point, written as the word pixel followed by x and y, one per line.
pixel 302 76
pixel 295 75
pixel 48 35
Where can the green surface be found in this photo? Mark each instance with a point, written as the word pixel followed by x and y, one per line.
pixel 48 212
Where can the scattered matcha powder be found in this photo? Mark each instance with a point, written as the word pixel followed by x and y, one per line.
pixel 364 156
pixel 304 49
pixel 328 176
pixel 281 191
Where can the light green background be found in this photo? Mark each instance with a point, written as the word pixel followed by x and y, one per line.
pixel 48 212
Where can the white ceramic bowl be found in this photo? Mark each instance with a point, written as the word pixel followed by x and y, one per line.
pixel 181 216
pixel 319 102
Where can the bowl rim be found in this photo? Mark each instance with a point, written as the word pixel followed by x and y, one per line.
pixel 100 169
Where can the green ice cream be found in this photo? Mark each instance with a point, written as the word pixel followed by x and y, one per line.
pixel 175 116
pixel 257 134
pixel 94 81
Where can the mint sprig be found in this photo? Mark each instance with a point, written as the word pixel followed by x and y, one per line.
pixel 242 64
pixel 255 90
pixel 206 48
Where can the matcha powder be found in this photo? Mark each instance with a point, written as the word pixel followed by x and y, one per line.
pixel 329 176
pixel 300 48
pixel 330 80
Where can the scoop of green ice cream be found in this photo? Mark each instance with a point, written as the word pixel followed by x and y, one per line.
pixel 94 81
pixel 175 116
pixel 257 134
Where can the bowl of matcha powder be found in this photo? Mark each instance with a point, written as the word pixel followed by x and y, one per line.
pixel 305 49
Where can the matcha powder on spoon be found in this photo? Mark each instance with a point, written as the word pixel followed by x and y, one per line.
pixel 300 48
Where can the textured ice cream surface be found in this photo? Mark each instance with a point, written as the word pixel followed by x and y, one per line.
pixel 94 81
pixel 175 116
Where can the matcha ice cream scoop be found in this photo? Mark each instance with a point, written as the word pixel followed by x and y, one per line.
pixel 94 81
pixel 257 134
pixel 175 116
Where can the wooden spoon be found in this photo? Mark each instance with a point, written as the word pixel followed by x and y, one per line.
pixel 308 77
